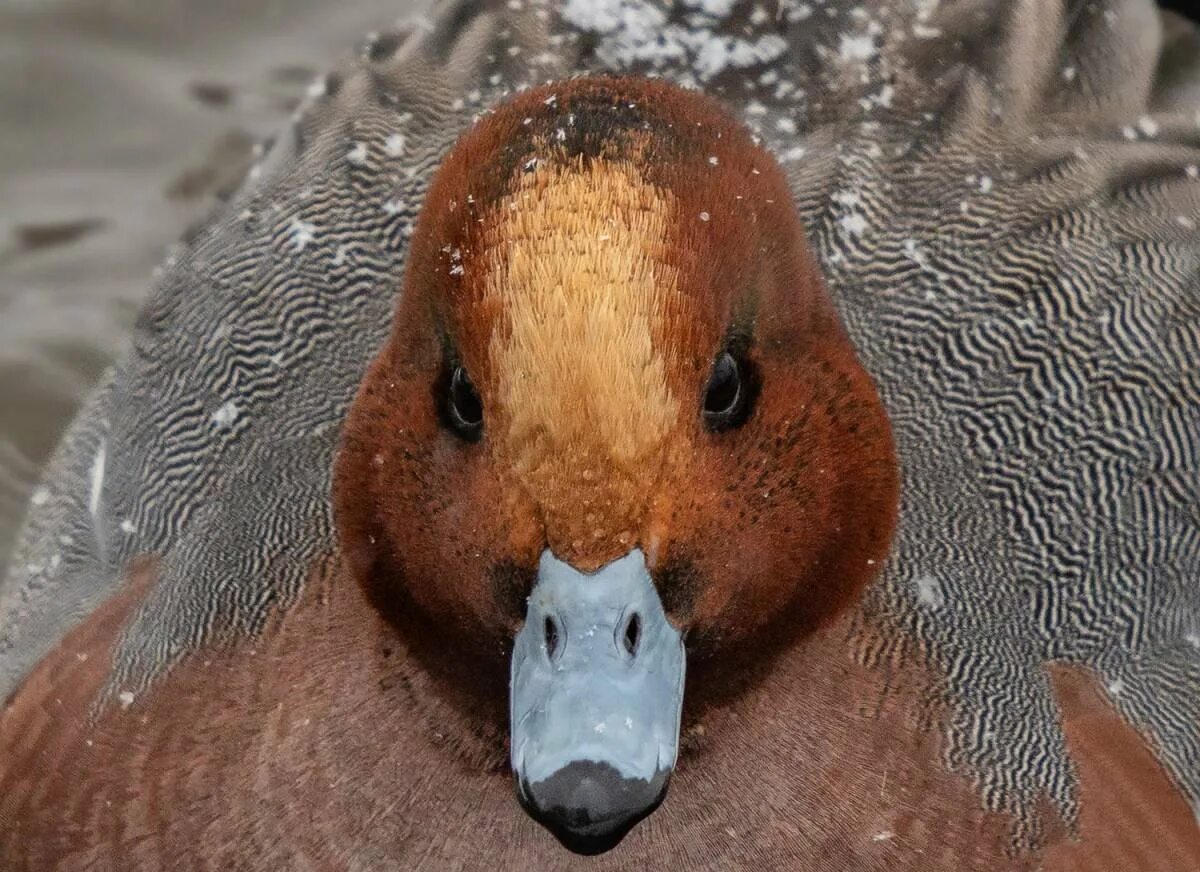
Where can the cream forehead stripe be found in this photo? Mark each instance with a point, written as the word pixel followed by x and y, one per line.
pixel 576 265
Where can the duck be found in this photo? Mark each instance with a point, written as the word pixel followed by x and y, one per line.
pixel 722 435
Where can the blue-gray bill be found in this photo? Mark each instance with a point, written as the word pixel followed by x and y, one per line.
pixel 596 694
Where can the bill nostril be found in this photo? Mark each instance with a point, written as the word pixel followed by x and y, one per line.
pixel 550 635
pixel 633 634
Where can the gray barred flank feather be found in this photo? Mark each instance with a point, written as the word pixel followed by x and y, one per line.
pixel 1005 198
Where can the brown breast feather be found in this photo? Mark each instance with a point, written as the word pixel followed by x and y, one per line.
pixel 319 744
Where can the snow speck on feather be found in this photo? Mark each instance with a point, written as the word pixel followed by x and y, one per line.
pixel 857 48
pixel 853 223
pixel 97 480
pixel 302 233
pixel 637 32
pixel 357 154
pixel 226 415
pixel 394 145
pixel 1148 126
pixel 929 592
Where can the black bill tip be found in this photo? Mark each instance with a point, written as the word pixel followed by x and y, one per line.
pixel 590 807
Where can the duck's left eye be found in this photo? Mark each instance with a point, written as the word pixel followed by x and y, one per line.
pixel 464 406
pixel 725 396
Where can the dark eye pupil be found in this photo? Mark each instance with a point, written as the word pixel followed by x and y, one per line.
pixel 724 389
pixel 465 407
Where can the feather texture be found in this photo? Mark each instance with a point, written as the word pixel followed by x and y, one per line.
pixel 1004 197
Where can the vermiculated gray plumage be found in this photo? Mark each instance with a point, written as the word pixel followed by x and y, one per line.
pixel 1004 197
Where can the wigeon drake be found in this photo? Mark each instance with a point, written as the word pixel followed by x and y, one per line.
pixel 815 489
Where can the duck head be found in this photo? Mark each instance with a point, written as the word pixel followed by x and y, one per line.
pixel 617 427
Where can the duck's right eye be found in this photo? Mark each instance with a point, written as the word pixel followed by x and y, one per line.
pixel 463 406
pixel 727 398
pixel 724 388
